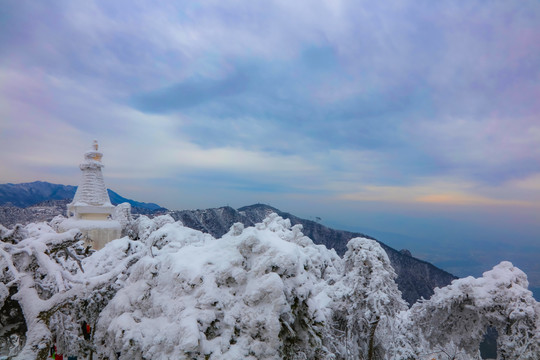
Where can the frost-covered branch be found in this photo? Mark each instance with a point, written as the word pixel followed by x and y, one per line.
pixel 262 292
pixel 44 276
pixel 460 313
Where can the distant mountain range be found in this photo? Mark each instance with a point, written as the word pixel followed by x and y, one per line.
pixel 41 201
pixel 29 194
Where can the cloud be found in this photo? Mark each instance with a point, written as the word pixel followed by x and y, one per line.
pixel 492 150
pixel 193 92
pixel 447 192
pixel 419 118
pixel 382 94
pixel 467 199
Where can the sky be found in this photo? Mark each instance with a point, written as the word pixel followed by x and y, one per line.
pixel 415 121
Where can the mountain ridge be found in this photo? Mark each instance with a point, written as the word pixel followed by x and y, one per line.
pixel 416 278
pixel 24 195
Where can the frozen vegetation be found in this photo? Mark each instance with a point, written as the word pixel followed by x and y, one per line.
pixel 165 291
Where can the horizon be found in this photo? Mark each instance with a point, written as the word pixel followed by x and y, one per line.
pixel 451 259
pixel 420 122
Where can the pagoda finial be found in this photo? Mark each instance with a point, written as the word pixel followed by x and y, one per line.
pixel 93 153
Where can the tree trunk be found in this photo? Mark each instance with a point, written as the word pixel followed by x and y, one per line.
pixel 371 349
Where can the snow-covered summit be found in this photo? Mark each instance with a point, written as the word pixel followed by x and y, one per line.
pixel 262 292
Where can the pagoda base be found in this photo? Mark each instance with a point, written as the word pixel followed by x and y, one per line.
pixel 96 233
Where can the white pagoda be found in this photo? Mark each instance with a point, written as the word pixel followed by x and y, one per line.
pixel 91 209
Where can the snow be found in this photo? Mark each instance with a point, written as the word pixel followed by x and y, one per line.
pixel 499 299
pixel 122 214
pixel 263 292
pixel 222 298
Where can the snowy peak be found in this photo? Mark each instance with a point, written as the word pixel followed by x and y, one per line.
pixel 216 221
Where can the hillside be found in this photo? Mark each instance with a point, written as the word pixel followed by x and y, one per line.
pixel 38 193
pixel 28 194
pixel 167 291
pixel 416 278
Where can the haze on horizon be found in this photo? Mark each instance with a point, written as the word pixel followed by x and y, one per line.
pixel 416 120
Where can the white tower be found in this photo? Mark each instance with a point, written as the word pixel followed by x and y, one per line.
pixel 91 207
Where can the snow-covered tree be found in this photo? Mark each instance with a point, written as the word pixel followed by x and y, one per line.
pixel 43 276
pixel 122 214
pixel 38 267
pixel 367 303
pixel 455 319
pixel 256 293
pixel 263 292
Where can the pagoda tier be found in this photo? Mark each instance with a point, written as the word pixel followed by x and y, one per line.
pixel 91 201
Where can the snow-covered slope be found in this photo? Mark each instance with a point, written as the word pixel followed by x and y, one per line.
pixel 262 292
pixel 416 278
pixel 256 293
pixel 44 211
